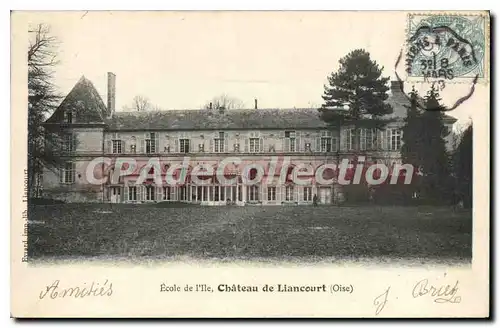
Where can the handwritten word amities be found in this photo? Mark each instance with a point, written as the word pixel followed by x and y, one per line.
pixel 93 289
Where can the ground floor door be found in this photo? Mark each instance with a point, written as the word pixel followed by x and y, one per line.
pixel 325 195
pixel 115 194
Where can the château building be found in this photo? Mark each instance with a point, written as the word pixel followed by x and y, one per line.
pixel 92 129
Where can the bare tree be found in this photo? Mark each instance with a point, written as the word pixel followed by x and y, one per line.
pixel 224 101
pixel 139 104
pixel 43 145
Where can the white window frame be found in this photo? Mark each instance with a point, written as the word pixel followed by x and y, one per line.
pixel 68 142
pixel 289 193
pixel 150 192
pixel 182 145
pixel 132 193
pixel 116 146
pixel 151 144
pixel 253 193
pixel 395 139
pixel 68 174
pixel 166 193
pixel 292 141
pixel 351 135
pixel 307 191
pixel 367 139
pixel 219 143
pixel 271 193
pixel 254 145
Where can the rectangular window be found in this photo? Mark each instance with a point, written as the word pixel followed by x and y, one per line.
pixel 351 139
pixel 289 193
pixel 184 145
pixel 68 142
pixel 150 193
pixel 255 145
pixel 219 143
pixel 132 193
pixel 395 141
pixel 253 193
pixel 69 116
pixel 366 139
pixel 307 194
pixel 290 141
pixel 326 145
pixel 216 194
pixel 182 193
pixel 271 193
pixel 117 146
pixel 166 193
pixel 68 173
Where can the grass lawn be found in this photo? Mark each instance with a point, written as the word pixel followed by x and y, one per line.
pixel 249 233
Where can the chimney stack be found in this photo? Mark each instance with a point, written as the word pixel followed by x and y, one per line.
pixel 111 93
pixel 256 103
pixel 210 105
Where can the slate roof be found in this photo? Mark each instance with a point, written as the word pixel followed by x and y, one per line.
pixel 265 118
pixel 90 108
pixel 86 103
pixel 274 118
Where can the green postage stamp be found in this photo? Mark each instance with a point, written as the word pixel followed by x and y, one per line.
pixel 447 46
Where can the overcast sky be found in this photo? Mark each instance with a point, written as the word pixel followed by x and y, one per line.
pixel 181 60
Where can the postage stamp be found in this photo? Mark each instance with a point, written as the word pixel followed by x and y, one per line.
pixel 447 46
pixel 212 164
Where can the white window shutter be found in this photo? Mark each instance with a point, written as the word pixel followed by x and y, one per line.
pixel 261 146
pixel 286 147
pixel 344 139
pixel 61 175
pixel 246 145
pixel 159 193
pixel 282 137
pixel 125 193
pixel 383 139
pixel 124 150
pixel 157 143
pixel 212 145
pixel 109 147
pixel 142 148
pixel 318 144
pixel 176 145
pixel 226 143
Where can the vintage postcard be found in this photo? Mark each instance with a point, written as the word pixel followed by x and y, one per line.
pixel 250 164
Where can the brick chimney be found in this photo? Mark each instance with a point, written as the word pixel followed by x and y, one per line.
pixel 256 103
pixel 111 93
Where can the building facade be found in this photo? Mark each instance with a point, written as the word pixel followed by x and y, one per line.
pixel 277 139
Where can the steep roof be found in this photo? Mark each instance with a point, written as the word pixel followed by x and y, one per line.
pixel 86 103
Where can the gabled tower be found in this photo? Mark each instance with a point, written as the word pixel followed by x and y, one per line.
pixel 80 122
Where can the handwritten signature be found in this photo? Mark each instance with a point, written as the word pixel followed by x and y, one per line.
pixel 441 294
pixel 381 300
pixel 94 289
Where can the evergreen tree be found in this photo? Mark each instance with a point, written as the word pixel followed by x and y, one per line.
pixel 463 168
pixel 356 94
pixel 434 157
pixel 411 149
